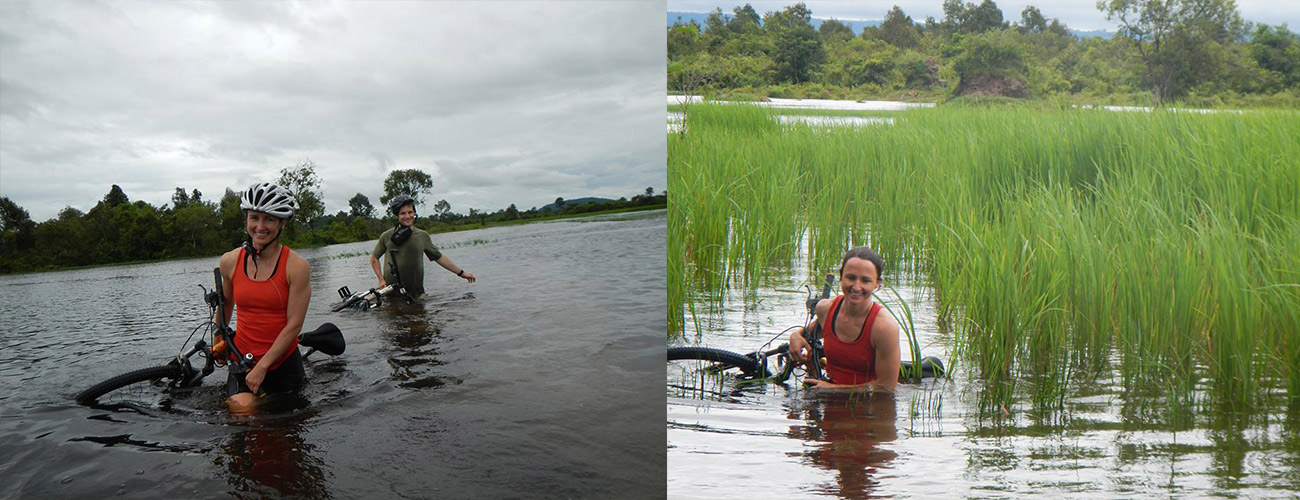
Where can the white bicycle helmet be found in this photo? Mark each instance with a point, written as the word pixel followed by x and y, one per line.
pixel 270 199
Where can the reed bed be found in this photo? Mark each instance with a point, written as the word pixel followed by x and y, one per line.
pixel 1058 241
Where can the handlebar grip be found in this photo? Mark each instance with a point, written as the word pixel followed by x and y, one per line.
pixel 826 289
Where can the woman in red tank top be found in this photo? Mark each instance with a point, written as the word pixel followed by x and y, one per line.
pixel 861 345
pixel 268 285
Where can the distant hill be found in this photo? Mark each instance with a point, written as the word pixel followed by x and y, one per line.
pixel 550 207
pixel 856 26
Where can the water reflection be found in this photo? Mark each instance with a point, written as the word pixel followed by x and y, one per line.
pixel 270 459
pixel 848 430
pixel 414 334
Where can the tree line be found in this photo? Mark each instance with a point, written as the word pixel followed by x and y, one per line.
pixel 1195 51
pixel 118 230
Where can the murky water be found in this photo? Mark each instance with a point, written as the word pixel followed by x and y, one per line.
pixel 929 441
pixel 840 104
pixel 675 121
pixel 538 381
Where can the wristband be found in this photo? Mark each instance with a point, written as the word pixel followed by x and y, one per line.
pixel 461 273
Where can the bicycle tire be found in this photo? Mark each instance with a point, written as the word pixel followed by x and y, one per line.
pixel 748 365
pixel 170 371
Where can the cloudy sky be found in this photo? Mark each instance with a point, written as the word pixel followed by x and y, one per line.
pixel 500 102
pixel 1077 14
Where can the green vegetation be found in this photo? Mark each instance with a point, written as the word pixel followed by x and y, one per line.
pixel 1186 52
pixel 118 231
pixel 1057 240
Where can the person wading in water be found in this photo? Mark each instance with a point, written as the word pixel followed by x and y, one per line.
pixel 859 337
pixel 404 245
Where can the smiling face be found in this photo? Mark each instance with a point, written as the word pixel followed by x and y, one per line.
pixel 406 215
pixel 263 228
pixel 859 280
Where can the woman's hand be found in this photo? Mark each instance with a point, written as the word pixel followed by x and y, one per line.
pixel 254 378
pixel 799 347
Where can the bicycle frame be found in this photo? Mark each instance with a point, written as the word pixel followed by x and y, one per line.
pixel 364 300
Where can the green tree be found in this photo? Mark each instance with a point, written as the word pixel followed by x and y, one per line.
pixel 833 31
pixel 797 49
pixel 441 209
pixel 411 182
pixel 180 198
pixel 233 227
pixel 1032 20
pixel 969 18
pixel 303 182
pixel 992 61
pixel 360 207
pixel 193 230
pixel 1177 40
pixel 899 30
pixel 683 40
pixel 1276 50
pixel 64 241
pixel 745 21
pixel 17 234
pixel 115 197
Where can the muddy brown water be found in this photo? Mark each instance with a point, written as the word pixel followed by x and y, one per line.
pixel 538 381
pixel 730 440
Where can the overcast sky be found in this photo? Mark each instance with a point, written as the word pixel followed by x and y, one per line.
pixel 1077 14
pixel 500 102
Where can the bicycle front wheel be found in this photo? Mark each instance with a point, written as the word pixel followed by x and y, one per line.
pixel 723 359
pixel 144 379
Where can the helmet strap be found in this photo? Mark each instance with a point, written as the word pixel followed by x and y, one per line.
pixel 251 250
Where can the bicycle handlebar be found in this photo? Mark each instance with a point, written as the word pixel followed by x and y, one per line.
pixel 814 334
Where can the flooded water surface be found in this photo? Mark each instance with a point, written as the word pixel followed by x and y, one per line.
pixel 538 381
pixel 731 440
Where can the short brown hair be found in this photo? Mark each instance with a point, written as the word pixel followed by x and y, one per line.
pixel 865 253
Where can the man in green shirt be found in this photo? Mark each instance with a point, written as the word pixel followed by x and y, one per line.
pixel 404 245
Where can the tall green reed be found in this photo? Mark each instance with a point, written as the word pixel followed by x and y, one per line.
pixel 1053 238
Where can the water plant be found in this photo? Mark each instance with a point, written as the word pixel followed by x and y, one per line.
pixel 1059 242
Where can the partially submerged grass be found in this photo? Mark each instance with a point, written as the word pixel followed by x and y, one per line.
pixel 1058 241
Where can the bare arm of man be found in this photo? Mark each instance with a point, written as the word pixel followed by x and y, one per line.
pixel 449 266
pixel 379 273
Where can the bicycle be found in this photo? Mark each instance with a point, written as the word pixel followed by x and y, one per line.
pixel 753 366
pixel 180 373
pixel 368 299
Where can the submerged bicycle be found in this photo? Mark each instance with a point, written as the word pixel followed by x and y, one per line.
pixel 754 366
pixel 374 297
pixel 181 373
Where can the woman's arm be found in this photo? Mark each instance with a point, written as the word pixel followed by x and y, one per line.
pixel 227 266
pixel 798 343
pixel 884 340
pixel 299 278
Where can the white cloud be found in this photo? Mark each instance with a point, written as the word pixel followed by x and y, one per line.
pixel 501 103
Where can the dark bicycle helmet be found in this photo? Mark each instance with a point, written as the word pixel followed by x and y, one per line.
pixel 270 199
pixel 396 204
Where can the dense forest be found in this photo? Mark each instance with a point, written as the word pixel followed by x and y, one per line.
pixel 1189 52
pixel 118 230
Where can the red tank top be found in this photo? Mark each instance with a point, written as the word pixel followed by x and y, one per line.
pixel 854 362
pixel 262 308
